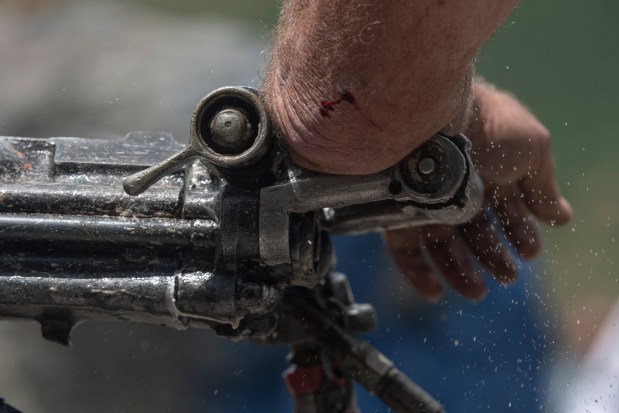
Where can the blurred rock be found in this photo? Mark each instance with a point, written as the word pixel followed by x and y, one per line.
pixel 105 68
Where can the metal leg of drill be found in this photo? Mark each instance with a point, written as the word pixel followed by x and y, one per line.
pixel 315 384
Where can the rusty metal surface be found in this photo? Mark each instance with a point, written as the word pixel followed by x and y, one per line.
pixel 218 234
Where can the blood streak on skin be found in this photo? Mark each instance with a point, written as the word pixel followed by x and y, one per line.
pixel 327 106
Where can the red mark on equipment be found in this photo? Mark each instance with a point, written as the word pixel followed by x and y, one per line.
pixel 327 106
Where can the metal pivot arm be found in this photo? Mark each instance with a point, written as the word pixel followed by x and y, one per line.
pixel 433 184
pixel 219 233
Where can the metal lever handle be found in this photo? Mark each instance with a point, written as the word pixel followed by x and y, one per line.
pixel 229 129
pixel 141 181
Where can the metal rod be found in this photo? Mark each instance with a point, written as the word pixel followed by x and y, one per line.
pixel 154 231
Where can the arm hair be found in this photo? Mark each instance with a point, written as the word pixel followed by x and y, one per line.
pixel 393 74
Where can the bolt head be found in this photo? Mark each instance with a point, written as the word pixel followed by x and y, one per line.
pixel 426 166
pixel 229 129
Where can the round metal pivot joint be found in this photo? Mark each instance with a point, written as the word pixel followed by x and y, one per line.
pixel 230 127
pixel 230 130
pixel 435 171
pixel 426 166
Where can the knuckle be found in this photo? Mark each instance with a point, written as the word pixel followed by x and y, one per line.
pixel 540 149
pixel 543 139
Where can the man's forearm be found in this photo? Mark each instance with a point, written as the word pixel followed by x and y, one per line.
pixel 356 85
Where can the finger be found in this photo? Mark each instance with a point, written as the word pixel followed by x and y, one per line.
pixel 405 247
pixel 541 191
pixel 448 252
pixel 481 237
pixel 517 223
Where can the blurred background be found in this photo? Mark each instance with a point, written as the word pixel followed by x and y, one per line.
pixel 101 69
pixel 560 58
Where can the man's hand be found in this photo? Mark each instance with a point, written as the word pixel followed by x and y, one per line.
pixel 511 150
pixel 355 86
